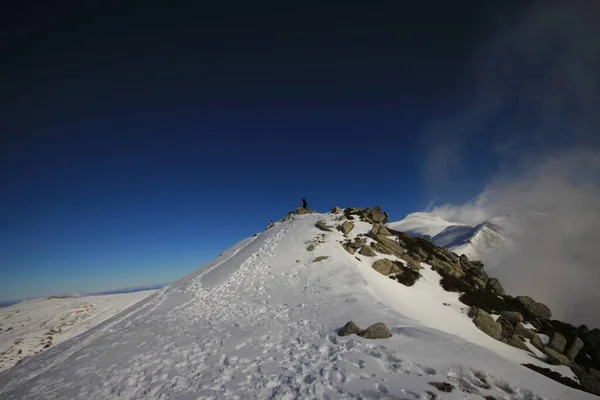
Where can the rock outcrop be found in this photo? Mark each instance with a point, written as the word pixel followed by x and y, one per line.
pixel 558 342
pixel 383 266
pixel 367 251
pixel 533 308
pixel 346 227
pixel 486 323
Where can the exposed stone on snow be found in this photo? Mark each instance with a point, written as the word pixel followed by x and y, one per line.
pixel 574 349
pixel 377 215
pixel 320 258
pixel 442 386
pixel 349 249
pixel 336 210
pixel 512 316
pixel 555 358
pixel 494 286
pixel 383 266
pixel 486 324
pixel 378 330
pixel 346 227
pixel 349 329
pixel 322 225
pixel 537 342
pixel 558 342
pixel 367 251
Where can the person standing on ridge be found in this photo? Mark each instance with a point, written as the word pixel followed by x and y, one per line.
pixel 304 204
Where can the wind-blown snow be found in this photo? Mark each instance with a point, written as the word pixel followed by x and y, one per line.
pixel 261 322
pixel 30 327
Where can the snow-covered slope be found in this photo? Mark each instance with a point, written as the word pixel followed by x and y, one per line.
pixel 261 322
pixel 30 327
pixel 422 224
pixel 473 241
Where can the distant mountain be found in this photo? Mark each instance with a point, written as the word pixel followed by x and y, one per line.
pixel 473 241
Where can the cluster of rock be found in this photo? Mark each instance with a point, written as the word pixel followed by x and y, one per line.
pixel 578 348
pixel 404 272
pixel 378 330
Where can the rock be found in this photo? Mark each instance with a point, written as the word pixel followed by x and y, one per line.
pixel 411 262
pixel 346 227
pixel 336 210
pixel 475 281
pixel 445 268
pixel 574 349
pixel 406 275
pixel 508 330
pixel 464 262
pixel 487 325
pixel 357 243
pixel 555 358
pixel 558 342
pixel 512 316
pixel 379 230
pixel 367 251
pixel 350 249
pixel 515 341
pixel 537 342
pixel 383 266
pixel 595 373
pixel 524 332
pixel 391 246
pixel 590 384
pixel 494 286
pixel 310 247
pixel 320 258
pixel 349 329
pixel 322 225
pixel 533 308
pixel 442 386
pixel 584 330
pixel 376 215
pixel 378 330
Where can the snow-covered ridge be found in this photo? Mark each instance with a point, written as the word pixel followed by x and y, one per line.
pixel 30 327
pixel 261 321
pixel 473 241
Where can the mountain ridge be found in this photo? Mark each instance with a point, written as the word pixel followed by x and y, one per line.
pixel 262 321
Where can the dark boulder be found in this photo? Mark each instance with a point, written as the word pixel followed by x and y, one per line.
pixel 495 287
pixel 378 330
pixel 349 329
pixel 533 309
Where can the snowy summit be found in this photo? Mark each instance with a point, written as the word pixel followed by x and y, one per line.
pixel 263 321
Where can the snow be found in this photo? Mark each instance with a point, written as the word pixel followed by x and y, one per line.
pixel 473 241
pixel 261 322
pixel 422 224
pixel 30 327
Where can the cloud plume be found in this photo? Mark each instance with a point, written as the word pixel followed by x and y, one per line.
pixel 533 113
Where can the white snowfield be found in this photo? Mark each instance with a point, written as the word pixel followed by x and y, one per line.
pixel 473 241
pixel 33 326
pixel 261 321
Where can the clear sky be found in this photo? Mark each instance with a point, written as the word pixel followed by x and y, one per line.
pixel 140 141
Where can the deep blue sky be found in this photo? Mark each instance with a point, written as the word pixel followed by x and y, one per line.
pixel 139 142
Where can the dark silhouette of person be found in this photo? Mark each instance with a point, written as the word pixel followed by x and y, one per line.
pixel 304 204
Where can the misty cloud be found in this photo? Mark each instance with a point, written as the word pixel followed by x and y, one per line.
pixel 533 112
